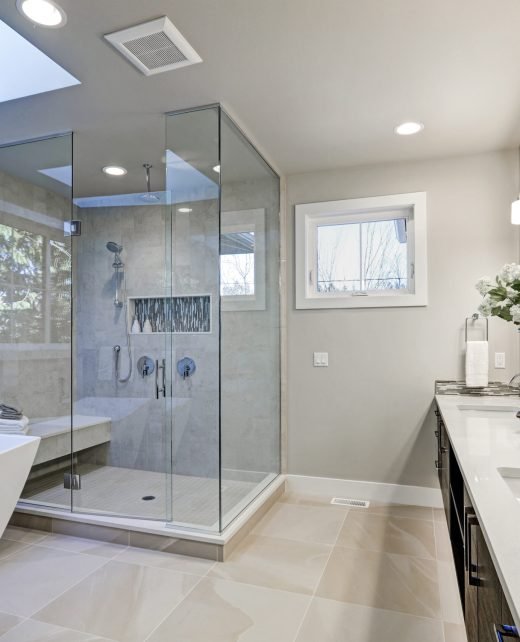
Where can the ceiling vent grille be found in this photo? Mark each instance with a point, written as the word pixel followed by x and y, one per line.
pixel 154 47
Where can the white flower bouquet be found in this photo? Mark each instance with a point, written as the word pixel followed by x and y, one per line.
pixel 501 296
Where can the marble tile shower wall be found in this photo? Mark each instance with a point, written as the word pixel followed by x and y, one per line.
pixel 138 441
pixel 251 349
pixel 34 376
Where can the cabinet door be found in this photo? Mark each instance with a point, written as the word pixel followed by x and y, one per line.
pixel 489 593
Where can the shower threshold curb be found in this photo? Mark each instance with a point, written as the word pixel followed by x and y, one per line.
pixel 156 535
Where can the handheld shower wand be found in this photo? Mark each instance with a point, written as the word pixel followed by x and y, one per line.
pixel 118 266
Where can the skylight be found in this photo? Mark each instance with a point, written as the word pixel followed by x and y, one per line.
pixel 27 70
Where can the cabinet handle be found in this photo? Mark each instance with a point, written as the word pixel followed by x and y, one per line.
pixel 471 520
pixel 506 631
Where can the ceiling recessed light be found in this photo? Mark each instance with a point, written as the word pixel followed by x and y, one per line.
pixel 114 170
pixel 217 169
pixel 45 13
pixel 185 210
pixel 409 128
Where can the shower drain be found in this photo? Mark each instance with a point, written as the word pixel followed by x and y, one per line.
pixel 148 498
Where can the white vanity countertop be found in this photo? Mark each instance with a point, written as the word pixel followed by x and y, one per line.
pixel 484 441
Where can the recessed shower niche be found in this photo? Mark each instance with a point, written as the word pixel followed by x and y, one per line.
pixel 189 314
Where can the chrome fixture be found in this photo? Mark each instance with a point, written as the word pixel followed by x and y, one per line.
pixel 145 366
pixel 149 195
pixel 513 382
pixel 186 367
pixel 160 389
pixel 118 265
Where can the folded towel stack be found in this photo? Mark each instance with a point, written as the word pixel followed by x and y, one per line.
pixel 13 421
pixel 8 412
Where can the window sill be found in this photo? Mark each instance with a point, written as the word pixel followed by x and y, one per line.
pixel 368 301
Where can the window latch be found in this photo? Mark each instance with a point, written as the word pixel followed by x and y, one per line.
pixel 360 293
pixel 310 277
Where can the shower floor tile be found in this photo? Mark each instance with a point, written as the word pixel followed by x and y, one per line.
pixel 120 491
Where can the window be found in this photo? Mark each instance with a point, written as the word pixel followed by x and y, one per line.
pixel 368 252
pixel 34 287
pixel 242 260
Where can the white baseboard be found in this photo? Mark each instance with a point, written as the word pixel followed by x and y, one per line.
pixel 373 491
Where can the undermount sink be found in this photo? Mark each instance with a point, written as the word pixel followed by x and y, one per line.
pixel 512 478
pixel 488 408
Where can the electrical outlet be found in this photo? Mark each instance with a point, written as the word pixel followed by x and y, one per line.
pixel 321 359
pixel 500 359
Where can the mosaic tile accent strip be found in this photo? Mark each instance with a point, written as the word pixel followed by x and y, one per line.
pixel 181 314
pixel 493 389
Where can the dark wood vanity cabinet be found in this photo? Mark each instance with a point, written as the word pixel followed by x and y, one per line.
pixel 483 600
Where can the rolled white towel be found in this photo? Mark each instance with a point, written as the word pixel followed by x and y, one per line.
pixel 477 364
pixel 13 424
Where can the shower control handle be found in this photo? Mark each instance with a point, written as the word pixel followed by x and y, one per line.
pixel 160 391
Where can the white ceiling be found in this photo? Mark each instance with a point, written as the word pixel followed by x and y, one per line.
pixel 316 84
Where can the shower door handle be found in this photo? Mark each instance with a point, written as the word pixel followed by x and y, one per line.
pixel 162 389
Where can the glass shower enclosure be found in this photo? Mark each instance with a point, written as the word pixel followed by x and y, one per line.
pixel 140 322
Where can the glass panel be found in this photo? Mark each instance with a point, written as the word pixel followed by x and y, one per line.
pixel 35 310
pixel 384 251
pixel 371 255
pixel 339 265
pixel 193 186
pixel 122 353
pixel 250 322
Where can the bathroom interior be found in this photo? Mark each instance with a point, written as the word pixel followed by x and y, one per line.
pixel 259 313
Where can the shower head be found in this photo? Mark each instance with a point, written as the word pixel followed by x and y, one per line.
pixel 114 247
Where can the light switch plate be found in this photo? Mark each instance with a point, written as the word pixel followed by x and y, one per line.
pixel 500 359
pixel 321 359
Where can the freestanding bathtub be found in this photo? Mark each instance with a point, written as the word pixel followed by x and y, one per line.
pixel 17 453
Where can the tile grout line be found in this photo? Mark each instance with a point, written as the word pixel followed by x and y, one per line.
pixel 70 587
pixel 312 597
pixel 162 568
pixel 174 608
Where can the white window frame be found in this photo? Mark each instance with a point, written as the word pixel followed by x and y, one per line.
pixel 309 216
pixel 247 221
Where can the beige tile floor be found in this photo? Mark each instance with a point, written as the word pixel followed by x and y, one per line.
pixel 309 572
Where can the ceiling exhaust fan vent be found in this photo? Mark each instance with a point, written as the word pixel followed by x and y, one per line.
pixel 154 47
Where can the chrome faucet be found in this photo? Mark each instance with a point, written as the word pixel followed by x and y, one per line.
pixel 515 378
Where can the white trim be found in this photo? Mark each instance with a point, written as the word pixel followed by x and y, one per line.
pixel 306 216
pixel 374 491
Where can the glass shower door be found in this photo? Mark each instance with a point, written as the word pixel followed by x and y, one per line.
pixel 122 344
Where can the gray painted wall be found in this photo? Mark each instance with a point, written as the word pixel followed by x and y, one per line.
pixel 368 416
